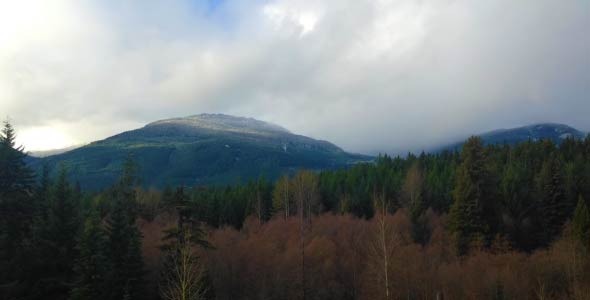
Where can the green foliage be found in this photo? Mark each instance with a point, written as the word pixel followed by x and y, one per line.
pixel 467 221
pixel 581 223
pixel 54 235
pixel 16 179
pixel 17 210
pixel 177 157
pixel 186 223
pixel 552 198
pixel 63 223
pixel 92 264
pixel 125 278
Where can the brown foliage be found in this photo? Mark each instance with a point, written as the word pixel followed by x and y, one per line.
pixel 262 261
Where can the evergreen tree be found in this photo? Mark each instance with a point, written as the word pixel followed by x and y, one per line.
pixel 91 266
pixel 466 216
pixel 125 278
pixel 42 193
pixel 581 223
pixel 518 206
pixel 16 178
pixel 53 234
pixel 553 202
pixel 62 226
pixel 16 208
pixel 185 221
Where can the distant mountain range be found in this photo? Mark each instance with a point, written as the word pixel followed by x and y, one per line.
pixel 221 149
pixel 198 150
pixel 543 131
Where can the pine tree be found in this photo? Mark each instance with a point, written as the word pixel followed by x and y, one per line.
pixel 53 234
pixel 16 207
pixel 581 223
pixel 553 202
pixel 124 239
pixel 124 253
pixel 15 177
pixel 42 193
pixel 62 226
pixel 466 215
pixel 185 221
pixel 91 266
pixel 181 203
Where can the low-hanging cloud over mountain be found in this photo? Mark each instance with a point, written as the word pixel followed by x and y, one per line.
pixel 366 75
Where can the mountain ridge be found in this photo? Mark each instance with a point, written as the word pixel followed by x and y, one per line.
pixel 556 132
pixel 224 149
pixel 200 149
pixel 222 122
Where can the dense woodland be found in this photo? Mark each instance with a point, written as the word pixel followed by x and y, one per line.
pixel 488 222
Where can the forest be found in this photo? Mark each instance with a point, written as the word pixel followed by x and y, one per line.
pixel 485 222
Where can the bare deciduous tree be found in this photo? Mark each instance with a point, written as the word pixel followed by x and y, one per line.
pixel 183 278
pixel 382 247
pixel 282 196
pixel 412 188
pixel 305 185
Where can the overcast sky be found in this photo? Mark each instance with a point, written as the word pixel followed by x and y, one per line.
pixel 368 75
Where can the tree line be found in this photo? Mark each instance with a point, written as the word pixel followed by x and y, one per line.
pixel 524 193
pixel 491 202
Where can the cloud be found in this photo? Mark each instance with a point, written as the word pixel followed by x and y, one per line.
pixel 367 75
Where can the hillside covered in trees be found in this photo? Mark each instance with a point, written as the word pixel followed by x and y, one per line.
pixel 485 222
pixel 202 149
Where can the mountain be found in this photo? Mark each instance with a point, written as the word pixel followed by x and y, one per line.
pixel 45 153
pixel 543 131
pixel 198 150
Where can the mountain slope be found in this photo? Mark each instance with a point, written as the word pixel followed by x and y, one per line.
pixel 45 153
pixel 201 149
pixel 543 131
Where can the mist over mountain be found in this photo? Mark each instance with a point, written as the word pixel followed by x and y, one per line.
pixel 200 149
pixel 543 131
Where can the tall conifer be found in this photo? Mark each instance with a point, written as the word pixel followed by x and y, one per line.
pixel 91 265
pixel 124 239
pixel 466 216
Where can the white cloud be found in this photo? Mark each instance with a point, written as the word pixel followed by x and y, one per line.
pixel 367 75
pixel 287 17
pixel 43 138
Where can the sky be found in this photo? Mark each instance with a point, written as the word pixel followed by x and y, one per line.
pixel 368 75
